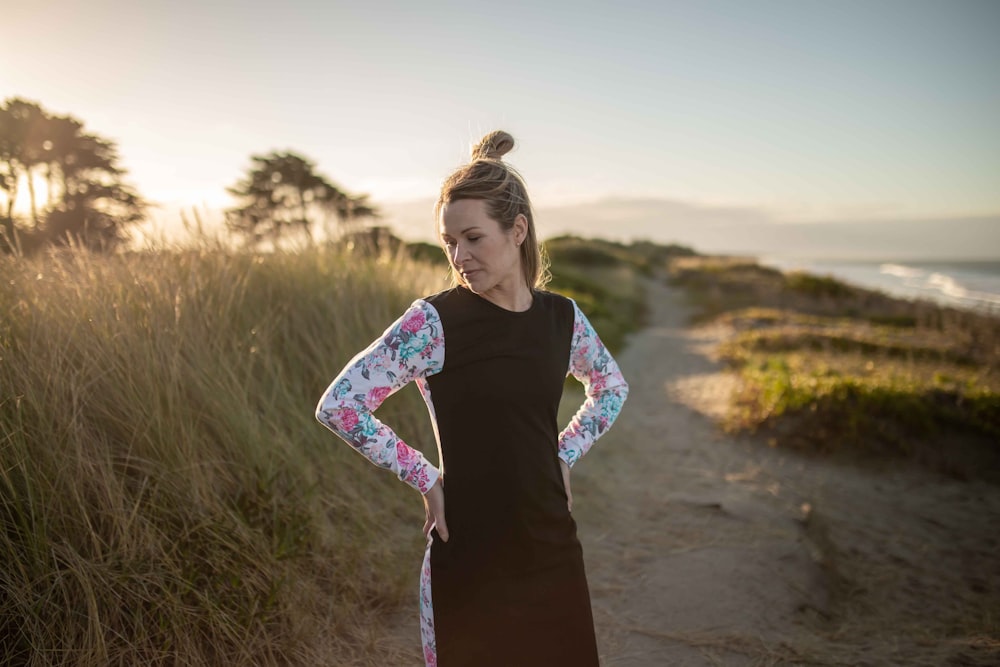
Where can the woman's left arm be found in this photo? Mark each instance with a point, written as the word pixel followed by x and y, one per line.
pixel 605 387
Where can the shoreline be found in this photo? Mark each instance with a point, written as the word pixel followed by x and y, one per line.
pixel 968 284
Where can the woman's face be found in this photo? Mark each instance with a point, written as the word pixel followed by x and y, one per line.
pixel 479 250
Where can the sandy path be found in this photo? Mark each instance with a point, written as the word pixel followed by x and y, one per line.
pixel 707 549
pixel 702 555
pixel 704 549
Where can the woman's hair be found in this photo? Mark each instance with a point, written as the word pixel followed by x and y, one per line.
pixel 488 178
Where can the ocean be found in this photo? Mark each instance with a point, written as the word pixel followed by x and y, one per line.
pixel 973 284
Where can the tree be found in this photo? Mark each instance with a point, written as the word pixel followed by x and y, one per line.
pixel 88 202
pixel 282 193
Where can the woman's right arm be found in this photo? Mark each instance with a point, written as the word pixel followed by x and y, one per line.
pixel 411 348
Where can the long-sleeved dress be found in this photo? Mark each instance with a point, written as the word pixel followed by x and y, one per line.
pixel 508 588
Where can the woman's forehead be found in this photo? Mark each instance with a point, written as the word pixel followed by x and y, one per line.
pixel 460 216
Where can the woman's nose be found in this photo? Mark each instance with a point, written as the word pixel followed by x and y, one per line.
pixel 458 254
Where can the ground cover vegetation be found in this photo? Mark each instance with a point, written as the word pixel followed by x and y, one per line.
pixel 831 368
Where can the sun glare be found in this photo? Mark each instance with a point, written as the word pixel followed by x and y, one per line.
pixel 22 205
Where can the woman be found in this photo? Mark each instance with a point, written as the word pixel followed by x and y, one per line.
pixel 503 581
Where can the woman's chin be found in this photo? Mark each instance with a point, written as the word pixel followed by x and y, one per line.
pixel 474 283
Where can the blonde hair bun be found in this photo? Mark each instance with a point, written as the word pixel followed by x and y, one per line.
pixel 493 146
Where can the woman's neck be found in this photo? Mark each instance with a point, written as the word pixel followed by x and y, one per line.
pixel 516 297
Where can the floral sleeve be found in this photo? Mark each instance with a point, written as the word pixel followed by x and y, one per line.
pixel 606 389
pixel 411 349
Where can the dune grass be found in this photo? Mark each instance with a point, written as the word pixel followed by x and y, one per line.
pixel 832 368
pixel 166 494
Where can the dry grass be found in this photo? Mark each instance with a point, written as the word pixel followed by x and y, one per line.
pixel 166 495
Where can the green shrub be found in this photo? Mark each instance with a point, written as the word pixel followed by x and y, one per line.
pixel 817 286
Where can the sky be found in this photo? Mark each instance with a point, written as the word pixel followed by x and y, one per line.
pixel 786 111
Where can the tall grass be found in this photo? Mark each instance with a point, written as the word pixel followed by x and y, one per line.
pixel 166 495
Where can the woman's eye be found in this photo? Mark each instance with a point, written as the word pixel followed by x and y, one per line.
pixel 475 238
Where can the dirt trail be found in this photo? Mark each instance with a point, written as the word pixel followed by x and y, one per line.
pixel 703 554
pixel 707 549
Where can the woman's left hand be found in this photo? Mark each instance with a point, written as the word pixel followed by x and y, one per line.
pixel 565 475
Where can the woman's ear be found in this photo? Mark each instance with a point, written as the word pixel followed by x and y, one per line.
pixel 520 229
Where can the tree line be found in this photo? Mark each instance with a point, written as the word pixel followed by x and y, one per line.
pixel 89 203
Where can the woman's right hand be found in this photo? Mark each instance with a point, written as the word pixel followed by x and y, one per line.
pixel 434 510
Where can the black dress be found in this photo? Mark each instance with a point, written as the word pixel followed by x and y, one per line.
pixel 509 587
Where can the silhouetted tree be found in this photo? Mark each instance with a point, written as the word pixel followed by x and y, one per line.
pixel 88 203
pixel 282 192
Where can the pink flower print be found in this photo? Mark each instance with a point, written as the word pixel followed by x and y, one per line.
pixel 405 455
pixel 420 479
pixel 598 380
pixel 414 322
pixel 348 419
pixel 410 468
pixel 430 657
pixel 428 350
pixel 376 396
